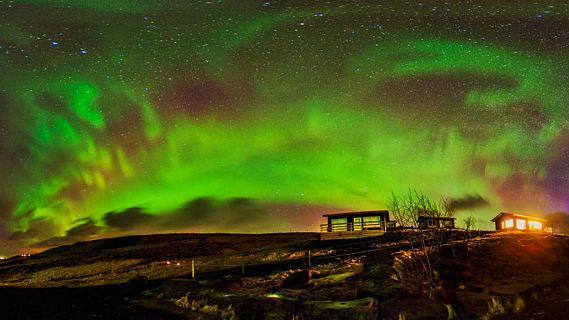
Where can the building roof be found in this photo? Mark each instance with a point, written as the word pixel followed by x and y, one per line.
pixel 435 217
pixel 515 215
pixel 356 213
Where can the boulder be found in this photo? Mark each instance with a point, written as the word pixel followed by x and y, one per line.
pixel 362 309
pixel 474 304
pixel 176 288
pixel 296 278
pixel 260 308
pixel 413 309
pixel 376 282
pixel 511 289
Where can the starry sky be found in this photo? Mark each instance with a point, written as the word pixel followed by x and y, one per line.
pixel 135 116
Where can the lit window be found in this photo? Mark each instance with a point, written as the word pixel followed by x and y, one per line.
pixel 520 224
pixel 371 219
pixel 339 220
pixel 535 225
pixel 509 223
pixel 339 224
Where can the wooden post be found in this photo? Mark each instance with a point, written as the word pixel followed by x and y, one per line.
pixel 193 269
pixel 309 260
pixel 243 269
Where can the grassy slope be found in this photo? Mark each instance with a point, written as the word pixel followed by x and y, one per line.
pixel 156 256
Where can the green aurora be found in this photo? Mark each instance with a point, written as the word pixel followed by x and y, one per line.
pixel 111 105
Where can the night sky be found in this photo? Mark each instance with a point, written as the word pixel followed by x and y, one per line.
pixel 139 116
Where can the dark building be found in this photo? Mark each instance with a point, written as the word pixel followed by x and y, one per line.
pixel 514 221
pixel 355 224
pixel 431 222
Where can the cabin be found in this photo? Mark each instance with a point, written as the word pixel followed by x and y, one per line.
pixel 514 221
pixel 357 224
pixel 433 222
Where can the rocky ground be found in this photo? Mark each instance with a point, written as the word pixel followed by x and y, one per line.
pixel 491 276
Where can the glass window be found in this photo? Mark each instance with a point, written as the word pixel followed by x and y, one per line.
pixel 339 224
pixel 357 223
pixel 535 225
pixel 372 221
pixel 520 224
pixel 339 220
pixel 509 223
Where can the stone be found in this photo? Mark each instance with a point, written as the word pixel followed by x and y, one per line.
pixel 362 309
pixel 474 304
pixel 413 309
pixel 176 288
pixel 511 289
pixel 296 278
pixel 377 283
pixel 261 308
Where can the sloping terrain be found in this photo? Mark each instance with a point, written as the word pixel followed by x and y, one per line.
pixel 490 276
pixel 117 260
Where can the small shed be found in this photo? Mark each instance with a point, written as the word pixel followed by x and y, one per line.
pixel 354 224
pixel 433 222
pixel 521 222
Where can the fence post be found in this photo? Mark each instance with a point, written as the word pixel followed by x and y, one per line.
pixel 309 260
pixel 193 269
pixel 243 269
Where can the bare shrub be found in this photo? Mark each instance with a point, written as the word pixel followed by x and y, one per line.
pixel 417 268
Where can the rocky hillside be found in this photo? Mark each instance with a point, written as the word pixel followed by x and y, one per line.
pixel 483 276
pixel 498 276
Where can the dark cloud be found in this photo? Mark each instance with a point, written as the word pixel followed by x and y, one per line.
pixel 86 229
pixel 129 219
pixel 40 228
pixel 236 214
pixel 468 202
pixel 24 235
pixel 202 214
